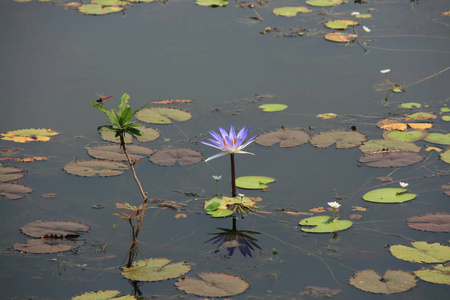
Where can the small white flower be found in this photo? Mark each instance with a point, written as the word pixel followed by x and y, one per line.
pixel 366 29
pixel 217 178
pixel 355 13
pixel 334 205
pixel 241 195
pixel 403 184
pixel 385 71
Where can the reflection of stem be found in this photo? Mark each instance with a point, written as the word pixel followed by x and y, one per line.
pixel 431 76
pixel 181 130
pixel 233 175
pixel 259 16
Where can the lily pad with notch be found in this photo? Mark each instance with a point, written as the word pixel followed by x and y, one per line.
pixel 14 191
pixel 388 195
pixel 340 37
pixel 410 105
pixel 445 156
pixel 89 168
pixel 47 245
pixel 439 274
pixel 100 295
pixel 290 11
pixel 438 222
pixel 253 182
pixel 212 3
pixel 422 252
pixel 57 228
pixel 391 145
pixel 115 152
pixel 184 156
pixel 98 9
pixel 391 282
pixel 324 224
pixel 213 285
pixel 391 159
pixel 405 136
pixel 438 138
pixel 343 138
pixel 29 135
pixel 286 138
pixel 148 135
pixel 155 269
pixel 422 116
pixel 162 115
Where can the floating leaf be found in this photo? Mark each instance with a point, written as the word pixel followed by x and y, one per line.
pixel 446 189
pixel 389 195
pixel 110 136
pixel 286 138
pixel 340 37
pixel 41 229
pixel 323 224
pixel 110 2
pixel 420 126
pixel 155 269
pixel 47 245
pixel 422 116
pixel 171 101
pixel 253 182
pixel 407 136
pixel 221 206
pixel 184 156
pixel 422 252
pixel 148 134
pixel 340 24
pixel 213 285
pixel 445 118
pixel 14 191
pixel 97 9
pixel 342 138
pixel 100 295
pixel 162 115
pixel 272 107
pixel 391 282
pixel 89 168
pixel 433 149
pixel 445 109
pixel 390 159
pixel 363 16
pixel 115 152
pixel 213 3
pixel 410 105
pixel 383 145
pixel 440 274
pixel 438 138
pixel 392 124
pixel 320 292
pixel 446 156
pixel 324 2
pixel 291 11
pixel 359 208
pixel 29 135
pixel 10 173
pixel 439 222
pixel 327 116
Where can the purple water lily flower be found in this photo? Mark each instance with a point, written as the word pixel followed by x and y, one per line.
pixel 229 143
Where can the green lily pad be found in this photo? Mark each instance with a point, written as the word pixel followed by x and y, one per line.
pixel 29 135
pixel 398 90
pixel 392 145
pixel 323 224
pixel 404 136
pixel 213 3
pixel 391 282
pixel 10 173
pixel 253 182
pixel 388 195
pixel 220 213
pixel 343 139
pixel 221 206
pixel 100 295
pixel 286 138
pixel 89 168
pixel 324 2
pixel 445 118
pixel 155 269
pixel 115 152
pixel 390 159
pixel 290 11
pixel 273 107
pixel 446 156
pixel 422 252
pixel 438 138
pixel 410 105
pixel 213 285
pixel 340 24
pixel 162 115
pixel 363 16
pixel 110 2
pixel 440 274
pixel 445 109
pixel 422 116
pixel 97 9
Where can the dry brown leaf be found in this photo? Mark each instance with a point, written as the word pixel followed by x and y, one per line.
pixel 317 209
pixel 420 125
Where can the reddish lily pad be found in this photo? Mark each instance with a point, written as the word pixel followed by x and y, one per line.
pixel 286 138
pixel 213 285
pixel 89 168
pixel 10 173
pixel 115 152
pixel 47 245
pixel 340 37
pixel 342 138
pixel 14 191
pixel 384 145
pixel 184 156
pixel 390 159
pixel 55 228
pixel 439 222
pixel 391 282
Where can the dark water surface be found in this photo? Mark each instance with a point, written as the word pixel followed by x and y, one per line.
pixel 54 60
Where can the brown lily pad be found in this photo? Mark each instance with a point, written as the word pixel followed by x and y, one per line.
pixel 439 222
pixel 391 282
pixel 343 139
pixel 47 245
pixel 115 152
pixel 14 191
pixel 384 145
pixel 213 285
pixel 184 156
pixel 56 228
pixel 340 37
pixel 286 138
pixel 390 159
pixel 89 168
pixel 10 173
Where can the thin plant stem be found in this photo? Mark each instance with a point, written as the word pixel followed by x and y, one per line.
pixel 233 175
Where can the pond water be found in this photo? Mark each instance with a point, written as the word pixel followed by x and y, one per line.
pixel 54 60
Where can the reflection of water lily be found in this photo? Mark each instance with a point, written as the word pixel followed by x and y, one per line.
pixel 229 143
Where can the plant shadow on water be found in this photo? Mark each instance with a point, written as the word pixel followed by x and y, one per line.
pixel 318 220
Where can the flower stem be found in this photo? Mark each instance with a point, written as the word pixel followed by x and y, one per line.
pixel 233 175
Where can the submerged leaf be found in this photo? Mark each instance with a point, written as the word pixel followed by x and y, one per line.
pixel 388 195
pixel 162 115
pixel 342 138
pixel 213 285
pixel 184 156
pixel 391 282
pixel 41 229
pixel 29 135
pixel 155 269
pixel 14 191
pixel 439 222
pixel 89 168
pixel 390 159
pixel 422 252
pixel 286 138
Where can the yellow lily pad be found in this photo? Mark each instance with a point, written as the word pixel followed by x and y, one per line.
pixel 29 135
